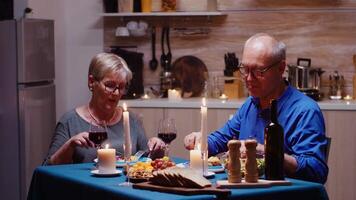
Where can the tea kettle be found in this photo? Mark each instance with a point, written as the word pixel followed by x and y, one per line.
pixel 305 78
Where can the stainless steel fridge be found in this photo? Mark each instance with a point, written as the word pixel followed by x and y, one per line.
pixel 27 101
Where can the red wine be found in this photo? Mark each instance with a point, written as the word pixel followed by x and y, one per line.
pixel 167 137
pixel 274 147
pixel 98 137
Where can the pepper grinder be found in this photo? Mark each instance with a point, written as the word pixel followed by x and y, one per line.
pixel 234 166
pixel 251 175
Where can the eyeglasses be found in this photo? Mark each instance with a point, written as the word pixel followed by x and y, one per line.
pixel 256 72
pixel 111 87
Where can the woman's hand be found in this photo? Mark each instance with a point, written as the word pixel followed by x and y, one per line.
pixel 156 147
pixel 65 153
pixel 81 140
pixel 155 144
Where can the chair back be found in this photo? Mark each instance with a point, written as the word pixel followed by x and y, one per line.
pixel 327 150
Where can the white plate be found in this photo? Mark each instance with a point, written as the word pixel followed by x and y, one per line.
pixel 209 174
pixel 121 163
pixel 215 169
pixel 97 173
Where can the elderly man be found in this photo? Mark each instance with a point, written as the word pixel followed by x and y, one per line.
pixel 262 66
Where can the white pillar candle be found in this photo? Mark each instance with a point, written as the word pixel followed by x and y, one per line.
pixel 127 134
pixel 204 126
pixel 195 159
pixel 107 160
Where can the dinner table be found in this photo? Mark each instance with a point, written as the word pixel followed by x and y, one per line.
pixel 76 181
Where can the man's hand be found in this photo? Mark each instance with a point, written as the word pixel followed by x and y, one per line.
pixel 191 139
pixel 260 149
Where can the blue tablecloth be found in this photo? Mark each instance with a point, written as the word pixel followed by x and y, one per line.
pixel 76 182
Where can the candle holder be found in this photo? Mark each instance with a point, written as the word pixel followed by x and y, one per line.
pixel 204 158
pixel 127 157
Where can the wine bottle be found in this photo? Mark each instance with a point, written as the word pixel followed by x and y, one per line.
pixel 274 147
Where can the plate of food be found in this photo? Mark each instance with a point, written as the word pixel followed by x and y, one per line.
pixel 120 162
pixel 140 172
pixel 215 165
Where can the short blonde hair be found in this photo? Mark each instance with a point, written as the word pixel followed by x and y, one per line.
pixel 104 63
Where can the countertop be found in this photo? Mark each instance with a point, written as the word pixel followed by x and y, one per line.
pixel 224 104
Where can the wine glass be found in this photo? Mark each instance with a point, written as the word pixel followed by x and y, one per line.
pixel 98 134
pixel 167 132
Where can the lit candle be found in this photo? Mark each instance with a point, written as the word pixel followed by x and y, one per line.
pixel 174 95
pixel 204 126
pixel 223 97
pixel 107 160
pixel 145 96
pixel 348 97
pixel 195 159
pixel 127 135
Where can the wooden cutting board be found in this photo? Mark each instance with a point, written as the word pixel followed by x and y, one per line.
pixel 260 184
pixel 182 190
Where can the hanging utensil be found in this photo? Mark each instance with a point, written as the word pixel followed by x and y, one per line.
pixel 153 62
pixel 165 58
pixel 169 54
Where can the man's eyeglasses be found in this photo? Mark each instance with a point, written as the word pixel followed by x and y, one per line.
pixel 256 72
pixel 111 87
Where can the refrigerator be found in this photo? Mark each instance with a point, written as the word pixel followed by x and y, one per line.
pixel 27 101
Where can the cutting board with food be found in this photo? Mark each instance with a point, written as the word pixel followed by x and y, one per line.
pixel 180 181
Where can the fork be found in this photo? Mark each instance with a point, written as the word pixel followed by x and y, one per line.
pixel 139 154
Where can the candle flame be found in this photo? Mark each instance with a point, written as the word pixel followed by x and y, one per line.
pixel 124 106
pixel 106 146
pixel 203 101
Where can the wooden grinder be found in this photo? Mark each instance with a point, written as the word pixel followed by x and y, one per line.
pixel 234 166
pixel 251 174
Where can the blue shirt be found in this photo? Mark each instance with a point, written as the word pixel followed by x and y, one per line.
pixel 304 131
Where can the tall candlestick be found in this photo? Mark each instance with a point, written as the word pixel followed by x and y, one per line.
pixel 127 135
pixel 204 126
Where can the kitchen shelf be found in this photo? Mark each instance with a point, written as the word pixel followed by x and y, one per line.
pixel 164 14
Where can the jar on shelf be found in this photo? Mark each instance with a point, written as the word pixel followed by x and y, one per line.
pixel 156 5
pixel 169 5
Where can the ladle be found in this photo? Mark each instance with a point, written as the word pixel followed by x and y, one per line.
pixel 153 63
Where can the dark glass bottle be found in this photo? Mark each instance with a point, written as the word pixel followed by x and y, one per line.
pixel 274 147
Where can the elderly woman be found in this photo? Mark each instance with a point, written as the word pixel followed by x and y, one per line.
pixel 107 80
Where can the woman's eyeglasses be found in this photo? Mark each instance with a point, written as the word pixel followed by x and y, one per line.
pixel 256 72
pixel 111 87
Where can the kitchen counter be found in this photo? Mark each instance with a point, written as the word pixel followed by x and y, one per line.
pixel 225 104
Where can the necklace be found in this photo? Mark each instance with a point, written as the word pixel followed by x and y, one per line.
pixel 107 122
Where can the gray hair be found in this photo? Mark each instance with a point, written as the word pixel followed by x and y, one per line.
pixel 278 48
pixel 104 63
